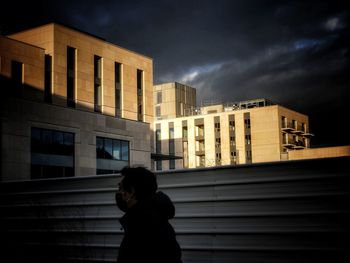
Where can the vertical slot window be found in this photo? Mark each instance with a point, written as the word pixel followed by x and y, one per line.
pixel 139 95
pixel 97 84
pixel 118 95
pixel 17 77
pixel 48 79
pixel 71 66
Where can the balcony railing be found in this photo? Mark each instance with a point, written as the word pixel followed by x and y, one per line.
pixel 200 138
pixel 288 126
pixel 299 145
pixel 200 152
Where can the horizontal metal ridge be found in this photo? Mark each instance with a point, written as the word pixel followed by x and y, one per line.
pixel 196 215
pixel 260 197
pixel 248 180
pixel 200 232
pixel 261 180
pixel 259 249
pixel 206 248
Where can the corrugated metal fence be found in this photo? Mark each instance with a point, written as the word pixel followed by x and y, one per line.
pixel 278 212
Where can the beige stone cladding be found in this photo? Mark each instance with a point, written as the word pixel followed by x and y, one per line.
pixel 31 57
pixel 173 100
pixel 55 39
pixel 263 139
pixel 325 152
pixel 19 116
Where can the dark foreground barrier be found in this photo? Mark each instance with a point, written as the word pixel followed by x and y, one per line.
pixel 296 211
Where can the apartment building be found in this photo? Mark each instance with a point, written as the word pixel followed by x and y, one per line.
pixel 72 104
pixel 235 133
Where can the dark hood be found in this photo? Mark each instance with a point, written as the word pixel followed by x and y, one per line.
pixel 162 205
pixel 159 208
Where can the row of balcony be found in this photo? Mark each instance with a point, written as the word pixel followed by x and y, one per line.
pixel 294 144
pixel 295 129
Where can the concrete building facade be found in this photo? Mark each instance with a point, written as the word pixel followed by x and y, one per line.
pixel 72 104
pixel 238 133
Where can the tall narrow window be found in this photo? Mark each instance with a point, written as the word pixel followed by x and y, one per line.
pixel 185 144
pixel 247 134
pixel 171 145
pixel 158 113
pixel 232 134
pixel 139 95
pixel 117 69
pixel 248 139
pixel 71 77
pixel 247 123
pixel 17 71
pixel 98 83
pixel 158 146
pixel 48 79
pixel 159 97
pixel 17 77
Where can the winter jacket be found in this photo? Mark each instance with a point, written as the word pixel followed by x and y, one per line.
pixel 148 235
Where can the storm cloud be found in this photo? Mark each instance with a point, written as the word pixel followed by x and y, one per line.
pixel 295 53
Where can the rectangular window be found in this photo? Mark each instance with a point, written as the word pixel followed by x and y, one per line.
pixel 217 126
pixel 248 139
pixel 284 122
pixel 232 141
pixel 233 157
pixel 159 97
pixel 159 165
pixel 185 154
pixel 17 71
pixel 117 75
pixel 112 149
pixel 303 127
pixel 247 123
pixel 171 142
pixel 97 84
pixel 172 164
pixel 158 114
pixel 184 132
pixel 158 146
pixel 125 150
pixel 111 154
pixel 71 68
pixel 48 79
pixel 17 77
pixel 139 95
pixel 52 153
pixel 171 145
pixel 217 142
pixel 249 155
pixel 158 141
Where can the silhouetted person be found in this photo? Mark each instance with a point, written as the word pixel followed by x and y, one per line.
pixel 148 235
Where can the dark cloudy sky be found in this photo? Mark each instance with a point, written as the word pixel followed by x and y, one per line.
pixel 295 53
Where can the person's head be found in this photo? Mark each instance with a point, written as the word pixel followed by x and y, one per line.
pixel 138 184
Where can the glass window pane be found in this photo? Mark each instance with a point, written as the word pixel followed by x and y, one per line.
pixel 36 140
pixel 57 137
pixel 125 150
pixel 108 149
pixel 99 148
pixel 36 134
pixel 68 143
pixel 116 150
pixel 68 138
pixel 47 137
